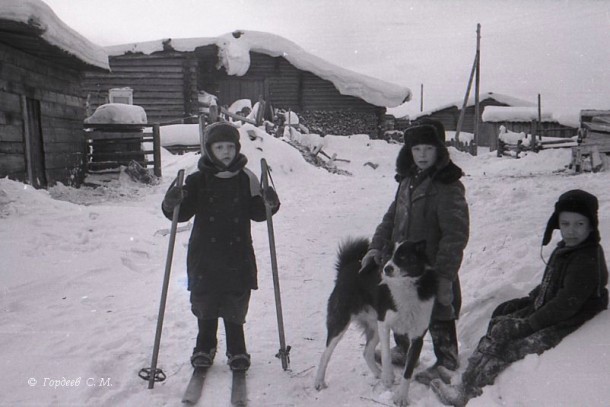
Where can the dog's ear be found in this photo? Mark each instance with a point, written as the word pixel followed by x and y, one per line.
pixel 420 247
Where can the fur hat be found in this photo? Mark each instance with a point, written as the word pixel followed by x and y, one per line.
pixel 422 134
pixel 577 201
pixel 437 124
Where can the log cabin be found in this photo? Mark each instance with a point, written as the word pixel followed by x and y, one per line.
pixel 42 106
pixel 167 76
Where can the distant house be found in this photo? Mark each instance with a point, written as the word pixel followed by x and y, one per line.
pixel 167 76
pixel 523 119
pixel 42 107
pixel 449 114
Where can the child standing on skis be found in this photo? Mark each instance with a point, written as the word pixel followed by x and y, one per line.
pixel 573 290
pixel 224 197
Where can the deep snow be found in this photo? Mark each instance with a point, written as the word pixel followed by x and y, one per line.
pixel 82 272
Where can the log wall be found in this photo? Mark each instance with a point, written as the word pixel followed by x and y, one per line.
pixel 57 91
pixel 164 84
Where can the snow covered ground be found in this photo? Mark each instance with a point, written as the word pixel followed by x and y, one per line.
pixel 82 272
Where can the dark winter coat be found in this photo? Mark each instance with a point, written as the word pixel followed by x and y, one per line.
pixel 431 206
pixel 220 253
pixel 572 292
pixel 573 287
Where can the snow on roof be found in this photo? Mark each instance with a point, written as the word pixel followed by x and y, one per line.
pixel 40 16
pixel 513 114
pixel 508 100
pixel 234 54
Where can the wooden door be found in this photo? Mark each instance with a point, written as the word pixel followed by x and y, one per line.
pixel 34 146
pixel 235 89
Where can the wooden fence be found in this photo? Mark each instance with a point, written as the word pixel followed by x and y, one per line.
pixel 110 146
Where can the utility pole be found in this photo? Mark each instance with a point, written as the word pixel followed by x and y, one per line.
pixel 477 112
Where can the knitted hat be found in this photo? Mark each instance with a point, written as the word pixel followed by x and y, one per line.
pixel 577 201
pixel 218 132
pixel 221 131
pixel 422 134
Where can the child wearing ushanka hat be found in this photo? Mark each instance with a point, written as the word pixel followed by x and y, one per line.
pixel 430 205
pixel 223 196
pixel 573 290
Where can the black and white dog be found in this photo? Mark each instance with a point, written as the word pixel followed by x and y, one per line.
pixel 397 296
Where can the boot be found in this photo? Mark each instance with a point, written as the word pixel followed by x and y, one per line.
pixel 398 354
pixel 434 372
pixel 239 362
pixel 450 395
pixel 203 359
pixel 444 339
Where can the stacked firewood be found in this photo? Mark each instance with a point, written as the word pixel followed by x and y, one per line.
pixel 340 123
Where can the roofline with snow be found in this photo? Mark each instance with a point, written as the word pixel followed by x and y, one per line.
pixel 374 91
pixel 509 100
pixel 42 21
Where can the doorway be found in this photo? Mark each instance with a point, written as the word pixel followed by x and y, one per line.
pixel 34 146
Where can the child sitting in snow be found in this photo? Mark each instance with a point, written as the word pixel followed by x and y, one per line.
pixel 572 291
pixel 223 196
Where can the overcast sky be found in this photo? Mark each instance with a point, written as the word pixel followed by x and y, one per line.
pixel 558 49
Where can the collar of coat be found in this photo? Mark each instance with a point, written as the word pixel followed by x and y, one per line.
pixel 444 171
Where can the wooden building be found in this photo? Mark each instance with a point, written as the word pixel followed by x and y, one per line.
pixel 449 115
pixel 167 77
pixel 42 107
pixel 523 119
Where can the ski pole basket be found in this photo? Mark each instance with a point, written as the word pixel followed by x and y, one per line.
pixel 152 374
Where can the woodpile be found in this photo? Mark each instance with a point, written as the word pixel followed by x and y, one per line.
pixel 341 123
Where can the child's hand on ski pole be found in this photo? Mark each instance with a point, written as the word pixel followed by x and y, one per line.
pixel 173 197
pixel 270 196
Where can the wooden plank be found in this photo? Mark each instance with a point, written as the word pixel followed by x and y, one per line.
pixel 599 127
pixel 12 147
pixel 136 155
pixel 63 161
pixel 117 127
pixel 11 164
pixel 157 150
pixel 10 103
pixel 11 132
pixel 110 136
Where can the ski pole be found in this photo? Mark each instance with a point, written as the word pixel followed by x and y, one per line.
pixel 153 374
pixel 284 352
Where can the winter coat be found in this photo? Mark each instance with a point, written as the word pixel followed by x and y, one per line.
pixel 220 255
pixel 573 287
pixel 573 290
pixel 431 206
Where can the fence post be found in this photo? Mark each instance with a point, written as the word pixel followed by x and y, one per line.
pixel 157 149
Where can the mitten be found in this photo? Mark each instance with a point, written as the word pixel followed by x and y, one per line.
pixel 270 196
pixel 372 258
pixel 510 328
pixel 444 291
pixel 173 197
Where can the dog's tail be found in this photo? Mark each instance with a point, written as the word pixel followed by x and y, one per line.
pixel 350 252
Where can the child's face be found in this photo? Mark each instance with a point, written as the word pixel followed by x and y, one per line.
pixel 224 151
pixel 574 227
pixel 424 155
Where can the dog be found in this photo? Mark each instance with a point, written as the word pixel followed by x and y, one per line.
pixel 398 296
